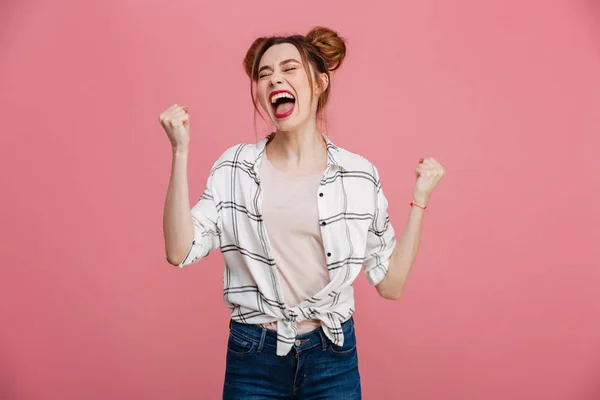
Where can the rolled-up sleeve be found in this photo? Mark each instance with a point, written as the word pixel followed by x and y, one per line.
pixel 205 217
pixel 381 238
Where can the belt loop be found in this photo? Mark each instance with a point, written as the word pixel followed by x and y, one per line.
pixel 323 339
pixel 263 335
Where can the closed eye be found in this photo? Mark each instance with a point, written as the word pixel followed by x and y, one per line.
pixel 285 70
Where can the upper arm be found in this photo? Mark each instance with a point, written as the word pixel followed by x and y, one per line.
pixel 205 218
pixel 381 237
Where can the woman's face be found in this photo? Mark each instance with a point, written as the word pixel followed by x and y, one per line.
pixel 283 89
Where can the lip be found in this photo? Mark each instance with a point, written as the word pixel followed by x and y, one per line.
pixel 274 92
pixel 286 114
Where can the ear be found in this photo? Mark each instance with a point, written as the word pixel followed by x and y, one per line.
pixel 322 82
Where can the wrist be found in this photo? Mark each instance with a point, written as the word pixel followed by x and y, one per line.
pixel 420 202
pixel 180 150
pixel 416 208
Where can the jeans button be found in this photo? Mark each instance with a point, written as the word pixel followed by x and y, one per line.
pixel 297 342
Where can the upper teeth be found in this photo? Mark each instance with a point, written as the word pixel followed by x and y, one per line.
pixel 280 95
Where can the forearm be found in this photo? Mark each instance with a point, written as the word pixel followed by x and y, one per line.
pixel 178 227
pixel 403 256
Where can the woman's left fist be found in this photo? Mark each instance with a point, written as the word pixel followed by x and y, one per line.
pixel 429 173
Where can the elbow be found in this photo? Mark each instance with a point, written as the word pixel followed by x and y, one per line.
pixel 176 258
pixel 177 255
pixel 395 295
pixel 390 293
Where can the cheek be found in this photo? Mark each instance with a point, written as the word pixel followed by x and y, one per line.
pixel 262 97
pixel 304 87
pixel 305 95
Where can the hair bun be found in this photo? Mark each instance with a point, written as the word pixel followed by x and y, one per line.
pixel 330 45
pixel 250 58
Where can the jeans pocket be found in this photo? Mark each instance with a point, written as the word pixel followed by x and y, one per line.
pixel 349 346
pixel 341 350
pixel 240 347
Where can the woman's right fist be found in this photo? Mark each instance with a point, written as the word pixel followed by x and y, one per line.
pixel 176 122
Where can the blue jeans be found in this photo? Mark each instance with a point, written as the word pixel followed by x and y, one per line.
pixel 315 368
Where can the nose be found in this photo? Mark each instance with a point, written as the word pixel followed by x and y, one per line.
pixel 276 79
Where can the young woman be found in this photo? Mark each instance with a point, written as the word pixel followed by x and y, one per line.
pixel 296 218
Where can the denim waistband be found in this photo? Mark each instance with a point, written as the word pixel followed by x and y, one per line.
pixel 264 337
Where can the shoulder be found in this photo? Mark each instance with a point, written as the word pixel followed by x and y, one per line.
pixel 354 162
pixel 239 154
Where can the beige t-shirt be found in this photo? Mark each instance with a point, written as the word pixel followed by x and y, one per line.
pixel 292 222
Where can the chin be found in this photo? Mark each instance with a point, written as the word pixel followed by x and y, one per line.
pixel 287 124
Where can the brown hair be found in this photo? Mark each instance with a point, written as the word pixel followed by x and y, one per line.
pixel 322 48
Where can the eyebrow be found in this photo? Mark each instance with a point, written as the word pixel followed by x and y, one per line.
pixel 289 60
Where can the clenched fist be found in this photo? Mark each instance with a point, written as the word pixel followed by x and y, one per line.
pixel 429 173
pixel 176 122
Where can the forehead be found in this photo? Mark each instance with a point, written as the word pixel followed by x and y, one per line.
pixel 278 53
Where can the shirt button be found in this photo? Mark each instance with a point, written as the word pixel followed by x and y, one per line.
pixel 323 223
pixel 320 194
pixel 328 254
pixel 297 342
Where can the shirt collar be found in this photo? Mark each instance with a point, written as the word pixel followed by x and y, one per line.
pixel 334 154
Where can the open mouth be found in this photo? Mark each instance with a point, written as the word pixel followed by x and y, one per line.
pixel 283 103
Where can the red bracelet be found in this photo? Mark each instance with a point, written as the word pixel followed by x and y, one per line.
pixel 415 204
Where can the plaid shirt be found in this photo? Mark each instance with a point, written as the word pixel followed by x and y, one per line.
pixel 355 229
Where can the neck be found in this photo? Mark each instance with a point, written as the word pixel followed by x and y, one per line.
pixel 303 146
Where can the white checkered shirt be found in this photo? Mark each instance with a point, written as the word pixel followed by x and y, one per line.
pixel 355 229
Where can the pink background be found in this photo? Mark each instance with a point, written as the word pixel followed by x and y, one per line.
pixel 503 302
